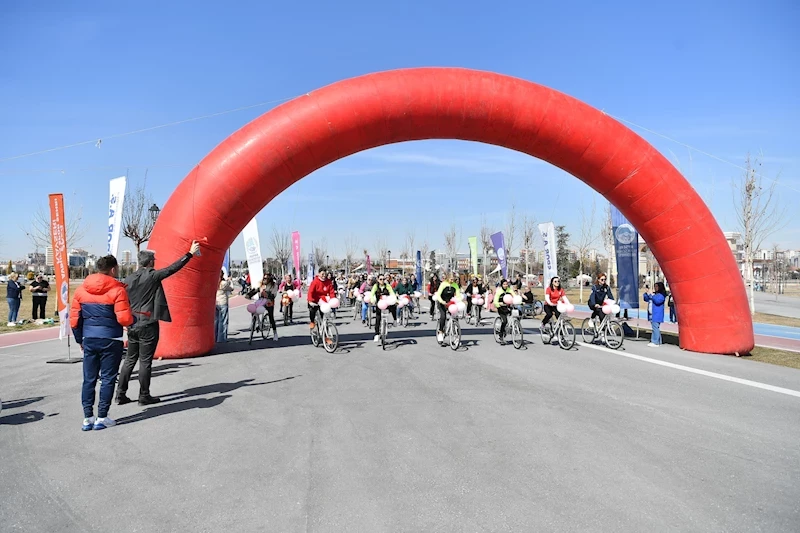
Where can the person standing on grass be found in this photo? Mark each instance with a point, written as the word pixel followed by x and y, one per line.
pixel 656 300
pixel 39 288
pixel 13 298
pixel 149 305
pixel 99 311
pixel 221 314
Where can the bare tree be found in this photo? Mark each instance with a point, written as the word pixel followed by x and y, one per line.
pixel 410 238
pixel 38 228
pixel 759 213
pixel 137 221
pixel 451 245
pixel 486 241
pixel 381 249
pixel 607 234
pixel 586 240
pixel 528 235
pixel 424 252
pixel 281 246
pixel 510 236
pixel 320 253
pixel 350 246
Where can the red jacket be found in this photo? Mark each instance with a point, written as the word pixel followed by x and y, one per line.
pixel 100 308
pixel 320 288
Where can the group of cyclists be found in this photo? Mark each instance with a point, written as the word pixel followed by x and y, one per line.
pixel 364 291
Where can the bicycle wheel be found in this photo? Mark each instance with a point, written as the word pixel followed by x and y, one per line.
pixel 455 335
pixel 315 340
pixel 613 335
pixel 496 329
pixel 516 333
pixel 383 333
pixel 588 330
pixel 546 332
pixel 252 327
pixel 264 326
pixel 369 317
pixel 566 335
pixel 538 308
pixel 406 312
pixel 331 336
pixel 285 316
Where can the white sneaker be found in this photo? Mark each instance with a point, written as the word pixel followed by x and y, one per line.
pixel 651 345
pixel 88 423
pixel 103 423
pixel 11 324
pixel 440 336
pixel 377 338
pixel 275 336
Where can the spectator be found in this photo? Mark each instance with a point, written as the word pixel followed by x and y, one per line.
pixel 671 304
pixel 657 300
pixel 39 288
pixel 149 305
pixel 99 311
pixel 527 301
pixel 517 283
pixel 221 315
pixel 13 297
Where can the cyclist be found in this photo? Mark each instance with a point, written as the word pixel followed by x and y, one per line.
pixel 369 282
pixel 268 291
pixel 405 287
pixel 474 288
pixel 600 293
pixel 448 290
pixel 552 295
pixel 433 288
pixel 341 286
pixel 287 285
pixel 503 309
pixel 319 288
pixel 382 288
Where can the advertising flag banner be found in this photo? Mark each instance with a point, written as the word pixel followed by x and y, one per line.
pixel 115 201
pixel 252 250
pixel 226 263
pixel 548 233
pixel 58 238
pixel 626 248
pixel 310 273
pixel 419 270
pixel 473 254
pixel 500 249
pixel 296 252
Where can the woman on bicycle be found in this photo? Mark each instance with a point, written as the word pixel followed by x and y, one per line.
pixel 600 293
pixel 366 287
pixel 321 286
pixel 448 290
pixel 503 309
pixel 379 290
pixel 287 285
pixel 474 288
pixel 433 288
pixel 268 291
pixel 405 287
pixel 552 295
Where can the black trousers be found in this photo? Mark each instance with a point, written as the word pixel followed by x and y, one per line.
pixel 549 310
pixel 271 315
pixel 39 306
pixel 392 309
pixel 142 344
pixel 504 311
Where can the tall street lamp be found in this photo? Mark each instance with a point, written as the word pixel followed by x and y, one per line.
pixel 154 211
pixel 388 259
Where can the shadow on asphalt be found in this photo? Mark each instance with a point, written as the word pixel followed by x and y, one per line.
pixel 22 402
pixel 21 418
pixel 165 368
pixel 219 388
pixel 165 409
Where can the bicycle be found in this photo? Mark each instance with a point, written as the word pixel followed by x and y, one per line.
pixel 327 335
pixel 563 330
pixel 514 323
pixel 405 315
pixel 536 309
pixel 475 314
pixel 286 305
pixel 452 331
pixel 384 326
pixel 259 323
pixel 609 331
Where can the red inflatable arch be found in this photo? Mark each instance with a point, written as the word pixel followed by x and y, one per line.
pixel 252 166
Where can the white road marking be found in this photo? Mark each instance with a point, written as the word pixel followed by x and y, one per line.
pixel 723 377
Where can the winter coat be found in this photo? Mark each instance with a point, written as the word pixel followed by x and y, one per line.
pixel 657 312
pixel 100 309
pixel 148 301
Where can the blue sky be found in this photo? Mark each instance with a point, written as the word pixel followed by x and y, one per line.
pixel 719 76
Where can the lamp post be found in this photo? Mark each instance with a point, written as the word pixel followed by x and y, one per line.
pixel 154 211
pixel 328 261
pixel 388 258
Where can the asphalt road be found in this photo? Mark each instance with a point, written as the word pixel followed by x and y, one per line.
pixel 284 437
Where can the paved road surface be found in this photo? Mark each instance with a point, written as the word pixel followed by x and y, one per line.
pixel 417 438
pixel 784 306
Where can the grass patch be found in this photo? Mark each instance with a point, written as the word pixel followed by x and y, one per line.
pixel 26 310
pixel 764 318
pixel 763 354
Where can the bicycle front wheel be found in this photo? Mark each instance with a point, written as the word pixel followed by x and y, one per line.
pixel 566 335
pixel 496 329
pixel 253 323
pixel 455 335
pixel 384 328
pixel 331 337
pixel 588 330
pixel 516 334
pixel 546 333
pixel 264 326
pixel 406 313
pixel 613 335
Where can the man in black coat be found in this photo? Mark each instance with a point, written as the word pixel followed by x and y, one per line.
pixel 149 305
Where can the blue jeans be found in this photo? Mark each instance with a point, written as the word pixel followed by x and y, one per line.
pixel 672 316
pixel 221 323
pixel 101 358
pixel 13 308
pixel 656 337
pixel 364 309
